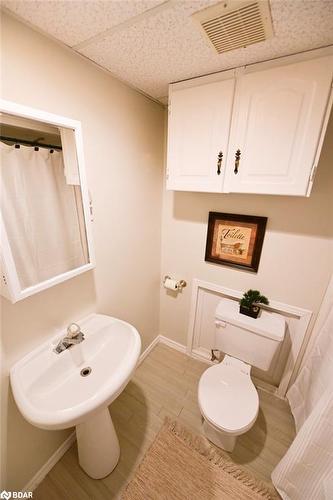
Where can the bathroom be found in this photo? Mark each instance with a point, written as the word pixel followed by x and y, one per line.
pixel 142 232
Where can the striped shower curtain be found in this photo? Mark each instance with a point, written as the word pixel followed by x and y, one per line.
pixel 306 471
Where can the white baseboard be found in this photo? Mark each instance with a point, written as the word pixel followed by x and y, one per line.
pixel 45 469
pixel 149 349
pixel 163 340
pixel 202 354
pixel 172 343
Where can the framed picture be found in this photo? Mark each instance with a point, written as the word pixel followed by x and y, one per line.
pixel 235 240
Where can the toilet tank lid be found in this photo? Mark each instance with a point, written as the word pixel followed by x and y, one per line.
pixel 268 324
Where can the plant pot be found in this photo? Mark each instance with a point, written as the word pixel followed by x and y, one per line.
pixel 252 311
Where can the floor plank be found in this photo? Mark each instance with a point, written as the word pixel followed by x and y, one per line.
pixel 165 384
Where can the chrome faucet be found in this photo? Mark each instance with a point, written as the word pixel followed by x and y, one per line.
pixel 74 336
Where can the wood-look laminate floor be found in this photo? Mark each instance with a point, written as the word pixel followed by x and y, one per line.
pixel 165 384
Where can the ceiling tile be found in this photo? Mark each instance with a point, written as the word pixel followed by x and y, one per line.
pixel 166 45
pixel 169 47
pixel 156 50
pixel 73 21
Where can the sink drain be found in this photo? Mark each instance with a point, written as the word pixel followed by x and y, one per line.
pixel 85 371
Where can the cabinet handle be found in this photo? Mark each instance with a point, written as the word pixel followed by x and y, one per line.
pixel 219 162
pixel 237 159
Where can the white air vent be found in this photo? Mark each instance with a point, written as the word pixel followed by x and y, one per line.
pixel 235 23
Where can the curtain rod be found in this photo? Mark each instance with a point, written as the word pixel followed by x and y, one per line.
pixel 29 143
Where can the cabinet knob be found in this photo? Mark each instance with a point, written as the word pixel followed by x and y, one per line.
pixel 237 160
pixel 219 162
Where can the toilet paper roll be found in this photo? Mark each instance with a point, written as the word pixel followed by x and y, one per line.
pixel 171 284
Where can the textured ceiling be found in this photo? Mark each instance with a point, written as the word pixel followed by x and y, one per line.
pixel 151 43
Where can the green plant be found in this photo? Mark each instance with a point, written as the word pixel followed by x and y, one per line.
pixel 253 297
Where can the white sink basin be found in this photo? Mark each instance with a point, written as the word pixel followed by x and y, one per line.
pixel 52 393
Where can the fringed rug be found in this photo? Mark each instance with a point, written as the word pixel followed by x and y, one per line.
pixel 182 466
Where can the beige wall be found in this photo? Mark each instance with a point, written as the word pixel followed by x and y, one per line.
pixel 296 261
pixel 123 144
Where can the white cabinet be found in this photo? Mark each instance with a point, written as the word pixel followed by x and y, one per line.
pixel 277 121
pixel 276 118
pixel 199 124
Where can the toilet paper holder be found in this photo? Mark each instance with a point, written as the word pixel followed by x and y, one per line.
pixel 180 284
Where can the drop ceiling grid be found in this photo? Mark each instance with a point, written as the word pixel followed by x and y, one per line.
pixel 167 45
pixel 154 51
pixel 73 22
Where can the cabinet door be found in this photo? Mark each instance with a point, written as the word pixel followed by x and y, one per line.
pixel 277 123
pixel 198 132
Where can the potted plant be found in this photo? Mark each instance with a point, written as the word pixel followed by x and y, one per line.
pixel 250 303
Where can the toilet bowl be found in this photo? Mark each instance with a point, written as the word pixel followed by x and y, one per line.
pixel 228 401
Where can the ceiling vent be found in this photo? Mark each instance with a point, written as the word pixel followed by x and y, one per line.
pixel 234 24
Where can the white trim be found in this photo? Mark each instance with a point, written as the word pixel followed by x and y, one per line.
pixel 148 349
pixel 202 80
pixel 12 289
pixel 305 55
pixel 201 354
pixel 45 469
pixel 320 142
pixel 161 339
pixel 13 108
pixel 255 66
pixel 172 343
pixel 292 363
pixel 324 310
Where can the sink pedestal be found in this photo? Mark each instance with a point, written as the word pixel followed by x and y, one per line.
pixel 98 445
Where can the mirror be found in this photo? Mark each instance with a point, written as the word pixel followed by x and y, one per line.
pixel 45 208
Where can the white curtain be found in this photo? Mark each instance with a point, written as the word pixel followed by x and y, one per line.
pixel 41 213
pixel 306 471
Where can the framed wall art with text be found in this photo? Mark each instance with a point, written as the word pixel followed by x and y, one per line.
pixel 235 240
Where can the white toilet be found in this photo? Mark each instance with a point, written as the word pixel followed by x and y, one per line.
pixel 228 399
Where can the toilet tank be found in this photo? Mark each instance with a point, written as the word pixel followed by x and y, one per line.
pixel 254 341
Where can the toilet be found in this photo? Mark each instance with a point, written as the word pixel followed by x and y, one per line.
pixel 227 397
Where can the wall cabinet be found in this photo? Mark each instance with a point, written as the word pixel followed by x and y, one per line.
pixel 199 135
pixel 256 130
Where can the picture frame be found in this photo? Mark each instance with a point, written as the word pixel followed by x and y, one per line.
pixel 235 240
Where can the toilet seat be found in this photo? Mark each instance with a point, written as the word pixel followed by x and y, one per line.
pixel 228 399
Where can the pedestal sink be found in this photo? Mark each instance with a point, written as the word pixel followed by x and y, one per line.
pixel 75 387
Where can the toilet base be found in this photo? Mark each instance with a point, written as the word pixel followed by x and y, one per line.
pixel 219 438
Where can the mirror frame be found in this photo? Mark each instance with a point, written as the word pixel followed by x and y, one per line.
pixel 10 284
